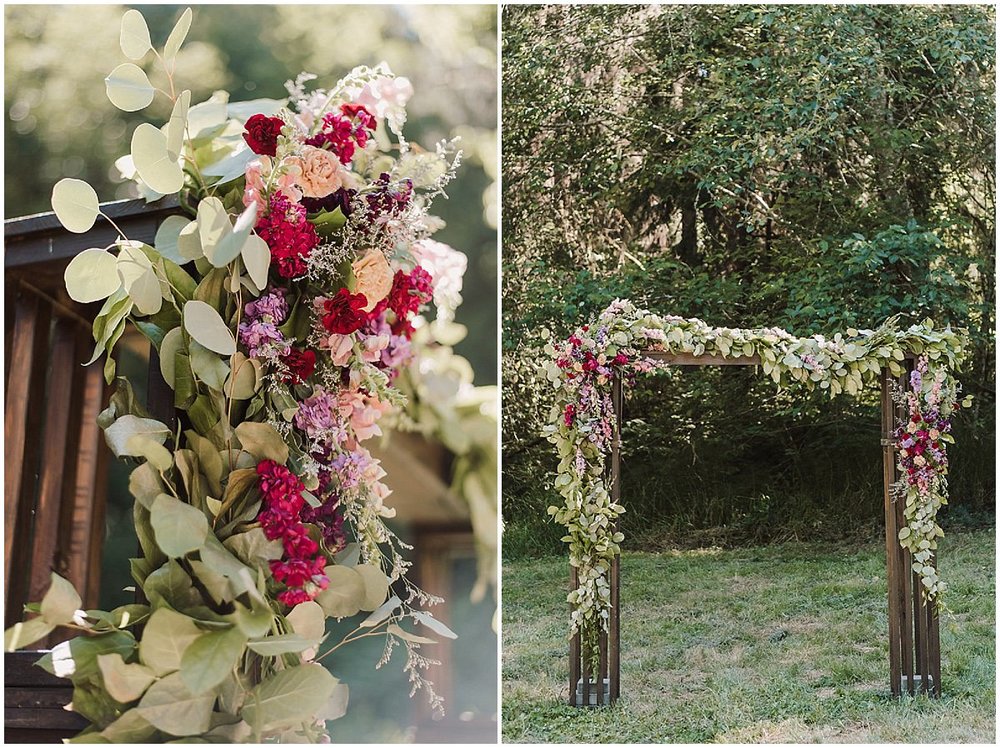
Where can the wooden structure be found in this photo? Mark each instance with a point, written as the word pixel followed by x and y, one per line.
pixel 55 460
pixel 914 639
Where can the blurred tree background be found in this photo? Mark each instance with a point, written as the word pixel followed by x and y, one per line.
pixel 61 124
pixel 807 166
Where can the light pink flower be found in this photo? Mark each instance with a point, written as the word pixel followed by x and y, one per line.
pixel 257 174
pixel 446 266
pixel 385 95
pixel 320 172
pixel 374 277
pixel 362 410
pixel 341 349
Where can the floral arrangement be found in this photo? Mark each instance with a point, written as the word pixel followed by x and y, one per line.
pixel 285 311
pixel 581 369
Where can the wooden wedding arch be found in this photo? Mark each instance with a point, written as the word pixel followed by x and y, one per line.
pixel 914 637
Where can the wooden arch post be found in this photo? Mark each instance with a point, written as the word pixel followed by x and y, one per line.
pixel 914 635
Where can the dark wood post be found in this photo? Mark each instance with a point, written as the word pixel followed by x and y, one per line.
pixel 914 637
pixel 582 679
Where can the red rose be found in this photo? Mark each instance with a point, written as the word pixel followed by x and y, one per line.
pixel 345 312
pixel 262 134
pixel 300 365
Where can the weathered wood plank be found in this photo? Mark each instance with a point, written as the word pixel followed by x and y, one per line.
pixel 891 537
pixel 26 323
pixel 84 492
pixel 574 646
pixel 53 448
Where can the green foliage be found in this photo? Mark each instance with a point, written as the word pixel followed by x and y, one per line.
pixel 807 167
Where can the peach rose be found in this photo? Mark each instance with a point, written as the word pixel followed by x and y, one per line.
pixel 374 277
pixel 320 172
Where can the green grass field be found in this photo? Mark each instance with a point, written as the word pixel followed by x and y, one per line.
pixel 786 643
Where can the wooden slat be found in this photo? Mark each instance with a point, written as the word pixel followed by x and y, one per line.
pixel 586 677
pixel 614 626
pixel 57 399
pixel 84 493
pixel 602 673
pixel 891 537
pixel 99 509
pixel 53 456
pixel 574 646
pixel 905 567
pixel 26 314
pixel 935 651
pixel 920 634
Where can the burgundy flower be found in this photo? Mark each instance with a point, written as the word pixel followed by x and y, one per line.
pixel 345 312
pixel 301 365
pixel 262 134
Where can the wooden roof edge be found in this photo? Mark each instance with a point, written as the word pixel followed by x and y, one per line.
pixel 117 209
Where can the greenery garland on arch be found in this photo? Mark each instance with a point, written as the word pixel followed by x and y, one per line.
pixel 581 427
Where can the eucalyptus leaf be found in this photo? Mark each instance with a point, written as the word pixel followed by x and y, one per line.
pixel 172 342
pixel 170 706
pixel 140 445
pixel 205 325
pixel 376 586
pixel 176 124
pixel 92 276
pixel 134 35
pixel 118 433
pixel 275 646
pixel 257 260
pixel 179 527
pixel 262 441
pixel 76 205
pixel 153 162
pixel 129 89
pixel 395 630
pixel 211 658
pixel 434 624
pixel 307 620
pixel 177 36
pixel 25 633
pixel 346 593
pixel 125 682
pixel 385 610
pixel 166 637
pixel 289 696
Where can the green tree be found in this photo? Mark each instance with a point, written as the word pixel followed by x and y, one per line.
pixel 812 167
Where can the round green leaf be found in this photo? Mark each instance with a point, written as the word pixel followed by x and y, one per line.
pixel 376 586
pixel 61 602
pixel 346 593
pixel 210 658
pixel 170 706
pixel 75 204
pixel 169 346
pixel 177 123
pixel 289 696
pixel 155 166
pixel 205 325
pixel 92 276
pixel 189 242
pixel 168 236
pixel 177 36
pixel 179 528
pixel 135 35
pixel 128 88
pixel 307 620
pixel 125 682
pixel 25 633
pixel 118 433
pixel 245 378
pixel 139 277
pixel 257 259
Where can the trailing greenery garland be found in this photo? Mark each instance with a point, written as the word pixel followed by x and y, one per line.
pixel 581 369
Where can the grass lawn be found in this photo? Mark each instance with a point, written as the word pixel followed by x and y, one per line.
pixel 786 644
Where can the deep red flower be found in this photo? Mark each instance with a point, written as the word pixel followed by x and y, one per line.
pixel 358 111
pixel 345 312
pixel 289 235
pixel 409 292
pixel 262 134
pixel 301 365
